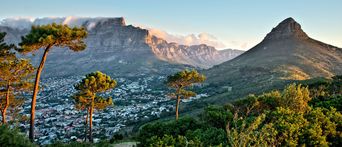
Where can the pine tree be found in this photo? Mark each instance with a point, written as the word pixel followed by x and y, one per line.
pixel 47 37
pixel 180 81
pixel 14 78
pixel 87 97
pixel 5 49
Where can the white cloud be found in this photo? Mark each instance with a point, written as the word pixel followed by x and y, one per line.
pixel 202 38
pixel 240 45
pixel 69 20
pixel 22 23
pixel 191 39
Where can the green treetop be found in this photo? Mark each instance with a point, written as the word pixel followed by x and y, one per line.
pixel 58 35
pixel 87 98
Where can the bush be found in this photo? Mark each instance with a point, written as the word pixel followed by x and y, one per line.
pixel 12 138
pixel 70 144
pixel 216 116
pixel 79 144
pixel 334 101
pixel 174 128
pixel 168 140
pixel 116 137
pixel 208 137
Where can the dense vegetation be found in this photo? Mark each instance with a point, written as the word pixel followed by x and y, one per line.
pixel 299 115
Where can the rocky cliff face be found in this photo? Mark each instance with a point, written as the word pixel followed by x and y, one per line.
pixel 196 55
pixel 117 48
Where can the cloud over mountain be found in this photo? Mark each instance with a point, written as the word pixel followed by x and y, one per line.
pixel 201 38
pixel 23 23
pixel 18 22
pixel 191 39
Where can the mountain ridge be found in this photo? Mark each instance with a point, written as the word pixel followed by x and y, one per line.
pixel 114 45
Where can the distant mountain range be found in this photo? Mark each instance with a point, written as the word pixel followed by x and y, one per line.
pixel 285 55
pixel 116 48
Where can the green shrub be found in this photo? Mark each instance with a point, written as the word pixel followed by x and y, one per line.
pixel 216 116
pixel 116 137
pixel 79 144
pixel 174 128
pixel 168 141
pixel 334 101
pixel 209 136
pixel 12 138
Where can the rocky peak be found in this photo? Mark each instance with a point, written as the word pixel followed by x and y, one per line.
pixel 288 28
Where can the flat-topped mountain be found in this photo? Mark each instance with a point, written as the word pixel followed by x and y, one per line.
pixel 114 47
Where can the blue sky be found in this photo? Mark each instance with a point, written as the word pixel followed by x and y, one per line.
pixel 236 23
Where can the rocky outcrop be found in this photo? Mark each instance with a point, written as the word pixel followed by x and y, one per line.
pixel 288 28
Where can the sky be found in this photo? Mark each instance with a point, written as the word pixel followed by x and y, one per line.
pixel 237 24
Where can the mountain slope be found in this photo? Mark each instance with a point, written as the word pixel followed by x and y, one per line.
pixel 287 53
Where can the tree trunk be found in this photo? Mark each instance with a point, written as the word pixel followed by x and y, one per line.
pixel 177 106
pixel 85 126
pixel 6 104
pixel 91 120
pixel 35 92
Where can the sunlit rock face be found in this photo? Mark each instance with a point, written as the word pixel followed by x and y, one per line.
pixel 117 48
pixel 196 55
